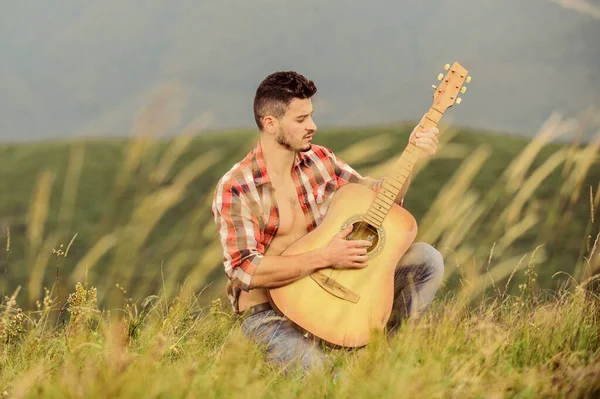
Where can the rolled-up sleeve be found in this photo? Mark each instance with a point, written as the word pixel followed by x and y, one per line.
pixel 239 234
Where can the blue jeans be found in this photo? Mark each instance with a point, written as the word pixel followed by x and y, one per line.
pixel 417 278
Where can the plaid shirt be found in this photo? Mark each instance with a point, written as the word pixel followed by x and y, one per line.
pixel 246 213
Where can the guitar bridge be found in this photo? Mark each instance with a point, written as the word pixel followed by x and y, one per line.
pixel 334 288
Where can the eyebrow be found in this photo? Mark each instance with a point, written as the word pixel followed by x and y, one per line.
pixel 305 115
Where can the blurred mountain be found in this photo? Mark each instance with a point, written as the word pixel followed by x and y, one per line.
pixel 71 68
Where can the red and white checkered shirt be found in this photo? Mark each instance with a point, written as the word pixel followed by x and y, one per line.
pixel 246 213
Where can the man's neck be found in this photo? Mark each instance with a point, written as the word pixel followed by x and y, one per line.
pixel 279 160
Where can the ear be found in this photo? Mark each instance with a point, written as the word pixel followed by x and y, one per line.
pixel 270 124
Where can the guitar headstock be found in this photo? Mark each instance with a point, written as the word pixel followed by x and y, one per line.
pixel 446 94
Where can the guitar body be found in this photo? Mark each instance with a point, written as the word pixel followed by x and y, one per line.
pixel 342 307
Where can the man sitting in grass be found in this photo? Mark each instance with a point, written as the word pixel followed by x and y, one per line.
pixel 262 205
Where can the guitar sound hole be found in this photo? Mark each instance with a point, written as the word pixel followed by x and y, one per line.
pixel 364 231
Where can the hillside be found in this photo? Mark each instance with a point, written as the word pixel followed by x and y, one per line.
pixel 141 209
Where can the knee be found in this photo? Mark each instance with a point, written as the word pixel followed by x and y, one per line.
pixel 433 258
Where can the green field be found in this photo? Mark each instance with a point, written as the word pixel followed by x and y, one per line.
pixel 141 208
pixel 517 314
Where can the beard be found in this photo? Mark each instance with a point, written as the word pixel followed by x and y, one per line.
pixel 283 141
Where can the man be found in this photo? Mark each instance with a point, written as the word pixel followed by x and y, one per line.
pixel 279 192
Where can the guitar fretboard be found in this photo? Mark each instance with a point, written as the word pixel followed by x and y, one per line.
pixel 395 180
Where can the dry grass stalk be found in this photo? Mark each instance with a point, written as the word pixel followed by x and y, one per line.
pixel 71 185
pixel 450 195
pixel 38 212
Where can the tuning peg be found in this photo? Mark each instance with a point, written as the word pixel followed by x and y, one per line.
pixel 468 79
pixel 440 76
pixel 434 87
pixel 463 90
pixel 446 67
pixel 458 100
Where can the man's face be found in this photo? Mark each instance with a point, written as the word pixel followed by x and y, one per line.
pixel 296 127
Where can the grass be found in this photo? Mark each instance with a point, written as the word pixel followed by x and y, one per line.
pixel 112 253
pixel 516 346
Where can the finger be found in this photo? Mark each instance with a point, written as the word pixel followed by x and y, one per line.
pixel 431 136
pixel 360 244
pixel 427 141
pixel 414 131
pixel 413 134
pixel 359 265
pixel 344 233
pixel 359 251
pixel 427 147
pixel 427 150
pixel 432 130
pixel 431 140
pixel 360 258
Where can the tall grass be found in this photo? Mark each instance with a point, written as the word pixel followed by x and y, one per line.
pixel 130 318
pixel 517 346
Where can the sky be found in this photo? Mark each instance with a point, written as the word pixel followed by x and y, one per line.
pixel 116 68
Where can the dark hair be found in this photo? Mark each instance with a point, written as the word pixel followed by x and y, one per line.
pixel 277 91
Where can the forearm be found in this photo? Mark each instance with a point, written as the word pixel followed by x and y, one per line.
pixel 277 271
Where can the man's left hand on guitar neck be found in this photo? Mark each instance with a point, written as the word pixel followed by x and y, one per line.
pixel 426 140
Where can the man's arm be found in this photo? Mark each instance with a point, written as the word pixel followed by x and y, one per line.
pixel 339 253
pixel 243 252
pixel 277 271
pixel 243 255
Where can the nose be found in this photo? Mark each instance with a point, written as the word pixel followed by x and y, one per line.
pixel 311 125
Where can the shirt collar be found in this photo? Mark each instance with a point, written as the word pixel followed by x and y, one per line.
pixel 259 167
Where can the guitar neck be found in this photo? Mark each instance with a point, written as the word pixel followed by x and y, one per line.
pixel 444 96
pixel 392 185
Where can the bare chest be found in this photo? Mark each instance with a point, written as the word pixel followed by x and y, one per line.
pixel 292 222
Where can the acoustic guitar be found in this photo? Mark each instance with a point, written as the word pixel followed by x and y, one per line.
pixel 344 307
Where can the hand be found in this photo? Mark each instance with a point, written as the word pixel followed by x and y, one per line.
pixel 346 254
pixel 426 140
